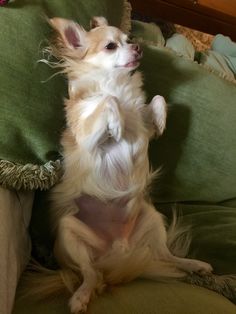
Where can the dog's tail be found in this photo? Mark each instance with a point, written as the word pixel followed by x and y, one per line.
pixel 178 236
pixel 41 283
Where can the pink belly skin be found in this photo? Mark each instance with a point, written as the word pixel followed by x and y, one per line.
pixel 109 220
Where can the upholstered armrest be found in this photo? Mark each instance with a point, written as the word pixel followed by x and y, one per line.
pixel 15 246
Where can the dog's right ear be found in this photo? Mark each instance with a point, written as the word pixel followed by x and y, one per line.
pixel 71 33
pixel 97 21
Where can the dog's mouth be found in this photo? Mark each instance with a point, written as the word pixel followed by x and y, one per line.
pixel 132 64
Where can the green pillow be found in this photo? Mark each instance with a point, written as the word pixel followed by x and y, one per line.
pixel 31 112
pixel 197 152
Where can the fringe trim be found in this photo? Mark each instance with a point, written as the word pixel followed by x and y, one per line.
pixel 207 68
pixel 125 24
pixel 29 176
pixel 224 284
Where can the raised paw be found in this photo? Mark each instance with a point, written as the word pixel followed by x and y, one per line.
pixel 115 123
pixel 159 113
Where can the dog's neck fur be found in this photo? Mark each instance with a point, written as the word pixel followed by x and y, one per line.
pixel 126 86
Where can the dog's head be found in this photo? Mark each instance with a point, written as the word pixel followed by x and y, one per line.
pixel 103 46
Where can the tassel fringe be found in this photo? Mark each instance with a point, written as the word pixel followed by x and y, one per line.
pixel 29 176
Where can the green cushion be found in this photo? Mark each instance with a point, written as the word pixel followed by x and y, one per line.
pixel 31 112
pixel 197 151
pixel 140 297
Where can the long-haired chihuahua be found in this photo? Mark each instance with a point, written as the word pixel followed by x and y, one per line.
pixel 106 228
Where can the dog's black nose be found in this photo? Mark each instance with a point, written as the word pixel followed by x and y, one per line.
pixel 136 48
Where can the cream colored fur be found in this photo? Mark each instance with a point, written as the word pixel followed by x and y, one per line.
pixel 105 151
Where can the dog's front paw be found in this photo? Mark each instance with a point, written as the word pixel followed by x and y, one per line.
pixel 115 123
pixel 159 113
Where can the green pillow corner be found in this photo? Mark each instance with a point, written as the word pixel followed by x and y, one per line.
pixel 31 112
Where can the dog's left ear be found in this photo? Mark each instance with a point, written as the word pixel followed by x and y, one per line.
pixel 71 33
pixel 97 21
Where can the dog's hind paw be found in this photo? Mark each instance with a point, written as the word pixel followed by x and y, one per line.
pixel 204 268
pixel 199 267
pixel 79 302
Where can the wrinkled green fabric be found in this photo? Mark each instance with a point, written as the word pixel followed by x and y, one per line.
pixel 31 112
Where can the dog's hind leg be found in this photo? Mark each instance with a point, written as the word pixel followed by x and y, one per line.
pixel 73 252
pixel 81 297
pixel 150 231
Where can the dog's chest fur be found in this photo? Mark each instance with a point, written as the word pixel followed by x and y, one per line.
pixel 113 166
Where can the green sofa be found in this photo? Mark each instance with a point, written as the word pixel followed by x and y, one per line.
pixel 197 154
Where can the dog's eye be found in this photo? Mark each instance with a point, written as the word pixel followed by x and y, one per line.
pixel 111 46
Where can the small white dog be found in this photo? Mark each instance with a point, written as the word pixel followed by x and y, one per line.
pixel 106 228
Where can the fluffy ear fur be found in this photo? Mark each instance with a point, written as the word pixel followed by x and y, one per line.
pixel 72 34
pixel 97 21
